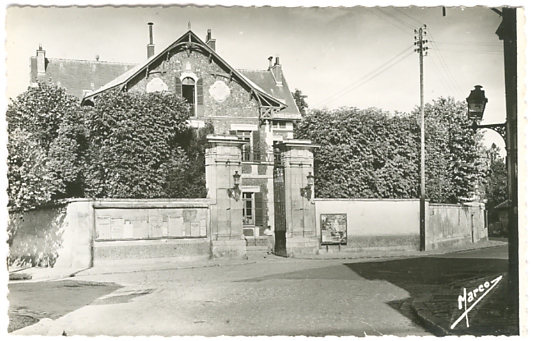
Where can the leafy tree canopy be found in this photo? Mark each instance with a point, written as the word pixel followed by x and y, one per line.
pixel 299 98
pixel 128 145
pixel 373 154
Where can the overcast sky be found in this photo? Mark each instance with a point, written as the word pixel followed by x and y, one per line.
pixel 337 56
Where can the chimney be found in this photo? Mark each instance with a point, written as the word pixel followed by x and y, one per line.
pixel 41 61
pixel 150 47
pixel 210 41
pixel 276 71
pixel 97 57
pixel 270 62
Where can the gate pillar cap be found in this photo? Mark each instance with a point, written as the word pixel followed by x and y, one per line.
pixel 298 143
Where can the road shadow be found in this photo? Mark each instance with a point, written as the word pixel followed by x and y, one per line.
pixel 412 274
pixel 443 279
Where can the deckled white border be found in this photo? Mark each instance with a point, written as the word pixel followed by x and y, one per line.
pixel 525 131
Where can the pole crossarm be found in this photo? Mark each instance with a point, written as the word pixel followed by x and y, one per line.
pixel 500 128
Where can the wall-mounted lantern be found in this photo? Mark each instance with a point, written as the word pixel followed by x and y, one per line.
pixel 308 190
pixel 476 103
pixel 235 191
pixel 476 108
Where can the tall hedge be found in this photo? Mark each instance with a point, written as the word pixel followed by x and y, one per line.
pixel 128 145
pixel 374 154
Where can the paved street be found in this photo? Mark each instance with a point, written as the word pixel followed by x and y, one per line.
pixel 274 296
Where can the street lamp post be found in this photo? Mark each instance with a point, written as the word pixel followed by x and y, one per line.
pixel 476 107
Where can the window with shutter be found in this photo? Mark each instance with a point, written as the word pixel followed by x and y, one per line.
pixel 248 208
pixel 258 208
pixel 188 93
pixel 200 97
pixel 178 86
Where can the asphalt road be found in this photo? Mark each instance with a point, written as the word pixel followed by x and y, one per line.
pixel 275 296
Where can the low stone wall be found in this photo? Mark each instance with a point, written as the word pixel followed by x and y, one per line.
pixel 37 236
pixel 375 223
pixel 81 233
pixel 57 236
pixel 393 224
pixel 453 225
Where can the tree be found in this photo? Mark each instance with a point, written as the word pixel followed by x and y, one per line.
pixel 132 144
pixel 454 154
pixel 374 154
pixel 496 181
pixel 299 98
pixel 128 145
pixel 362 154
pixel 189 181
pixel 32 180
pixel 40 111
pixel 34 120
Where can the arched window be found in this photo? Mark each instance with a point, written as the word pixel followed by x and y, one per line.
pixel 192 92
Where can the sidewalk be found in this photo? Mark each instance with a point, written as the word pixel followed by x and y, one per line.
pixel 494 314
pixel 254 256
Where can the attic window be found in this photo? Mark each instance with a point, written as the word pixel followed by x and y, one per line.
pixel 188 93
pixel 192 92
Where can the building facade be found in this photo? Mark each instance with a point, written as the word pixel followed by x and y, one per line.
pixel 256 106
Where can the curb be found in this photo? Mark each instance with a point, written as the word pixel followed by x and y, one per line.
pixel 431 322
pixel 405 254
pixel 165 268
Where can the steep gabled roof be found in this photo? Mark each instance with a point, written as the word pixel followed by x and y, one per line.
pixel 77 76
pixel 265 80
pixel 189 41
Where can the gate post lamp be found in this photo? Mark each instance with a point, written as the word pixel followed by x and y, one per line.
pixel 476 108
pixel 308 190
pixel 235 191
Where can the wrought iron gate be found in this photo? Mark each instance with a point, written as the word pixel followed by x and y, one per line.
pixel 280 222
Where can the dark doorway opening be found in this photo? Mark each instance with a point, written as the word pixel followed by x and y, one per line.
pixel 187 92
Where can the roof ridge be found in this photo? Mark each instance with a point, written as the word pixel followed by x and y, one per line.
pixel 256 70
pixel 92 61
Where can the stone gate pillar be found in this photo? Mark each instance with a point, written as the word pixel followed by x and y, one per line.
pixel 223 166
pixel 297 161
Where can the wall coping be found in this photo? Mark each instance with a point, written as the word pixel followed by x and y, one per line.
pixel 365 199
pixel 154 203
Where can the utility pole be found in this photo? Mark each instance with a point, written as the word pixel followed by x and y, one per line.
pixel 420 49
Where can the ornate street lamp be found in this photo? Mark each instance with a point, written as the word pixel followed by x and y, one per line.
pixel 476 103
pixel 476 108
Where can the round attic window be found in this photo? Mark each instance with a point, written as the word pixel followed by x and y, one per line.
pixel 219 91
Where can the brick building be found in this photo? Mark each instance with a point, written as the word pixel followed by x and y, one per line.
pixel 256 106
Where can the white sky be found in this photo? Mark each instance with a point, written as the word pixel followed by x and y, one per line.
pixel 337 56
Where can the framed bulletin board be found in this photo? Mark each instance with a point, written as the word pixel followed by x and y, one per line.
pixel 334 229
